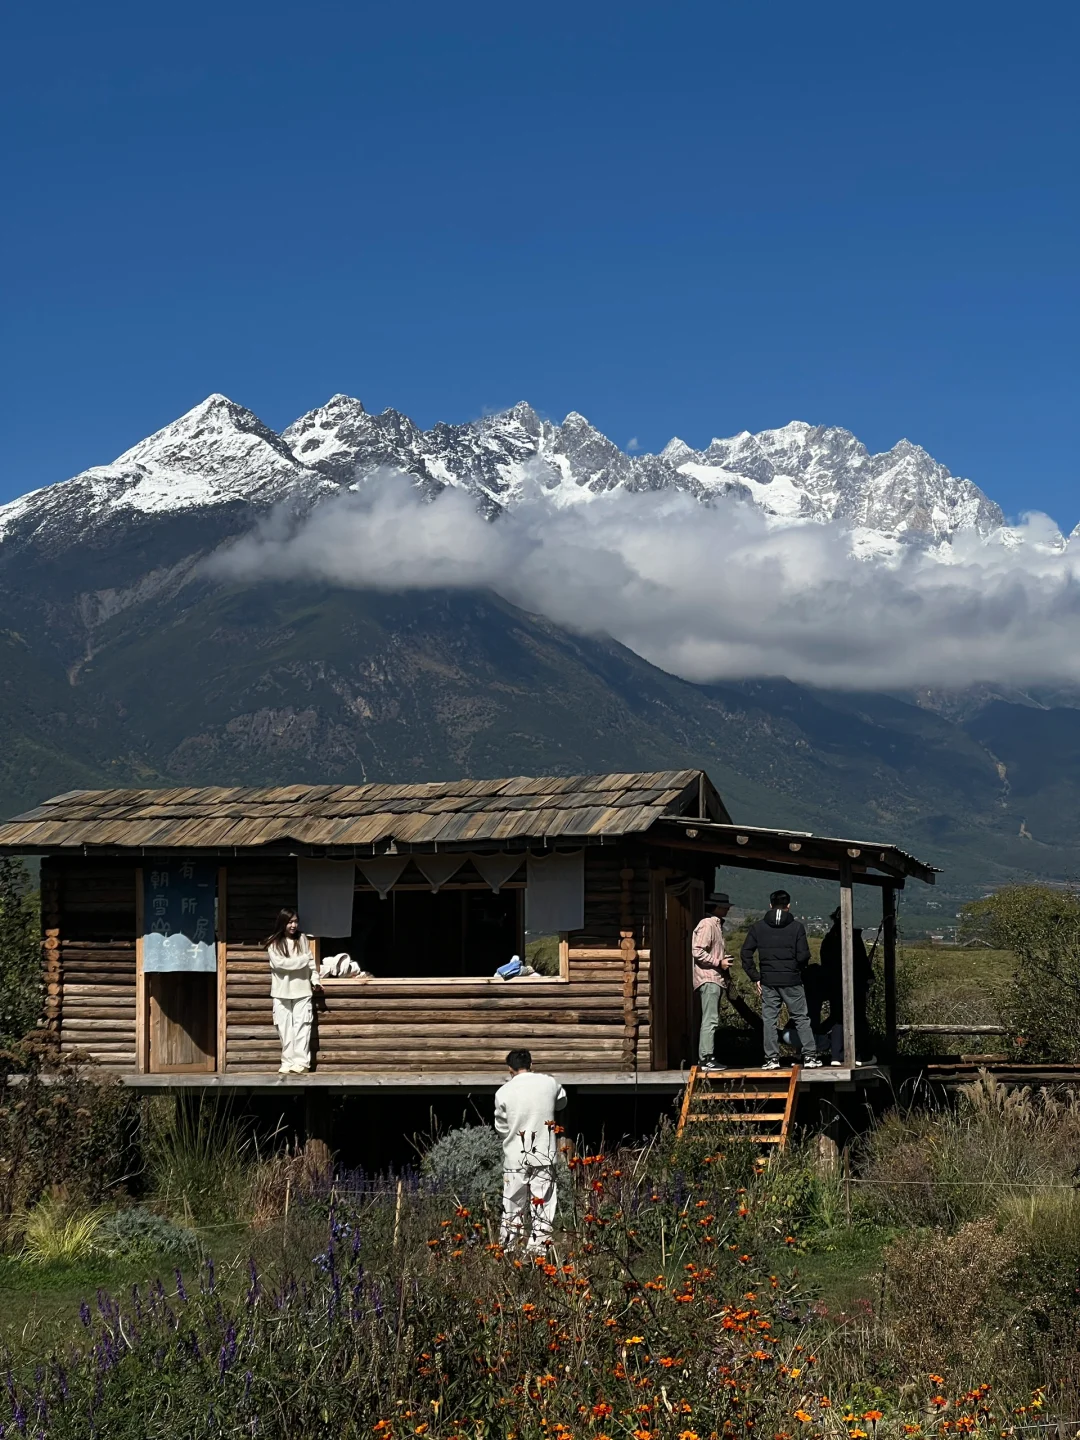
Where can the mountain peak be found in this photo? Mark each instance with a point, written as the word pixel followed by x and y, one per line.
pixel 219 452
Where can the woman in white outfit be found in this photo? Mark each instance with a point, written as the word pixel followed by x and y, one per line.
pixel 293 977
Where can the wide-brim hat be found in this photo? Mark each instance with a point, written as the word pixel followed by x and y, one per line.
pixel 718 898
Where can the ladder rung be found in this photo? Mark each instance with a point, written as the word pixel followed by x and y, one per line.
pixel 742 1119
pixel 741 1095
pixel 746 1074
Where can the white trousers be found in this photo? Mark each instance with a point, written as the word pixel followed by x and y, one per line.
pixel 293 1021
pixel 530 1196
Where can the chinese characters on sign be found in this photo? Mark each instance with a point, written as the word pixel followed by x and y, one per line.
pixel 179 902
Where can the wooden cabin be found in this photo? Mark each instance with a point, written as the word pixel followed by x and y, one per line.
pixel 156 904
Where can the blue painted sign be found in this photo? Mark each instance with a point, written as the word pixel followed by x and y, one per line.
pixel 179 913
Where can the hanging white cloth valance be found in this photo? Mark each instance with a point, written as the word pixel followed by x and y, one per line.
pixel 496 869
pixel 555 893
pixel 383 871
pixel 437 869
pixel 324 896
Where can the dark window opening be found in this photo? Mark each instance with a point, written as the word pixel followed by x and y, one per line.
pixel 416 933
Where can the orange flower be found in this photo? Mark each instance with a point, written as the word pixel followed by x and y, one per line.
pixel 873 1416
pixel 803 1416
pixel 601 1410
pixel 938 1401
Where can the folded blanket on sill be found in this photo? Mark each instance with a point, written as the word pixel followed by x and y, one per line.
pixel 336 967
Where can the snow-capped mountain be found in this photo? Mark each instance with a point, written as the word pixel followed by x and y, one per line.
pixel 220 456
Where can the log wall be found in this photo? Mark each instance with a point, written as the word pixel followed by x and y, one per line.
pixel 88 916
pixel 595 1019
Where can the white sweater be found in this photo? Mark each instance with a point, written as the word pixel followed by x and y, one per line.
pixel 524 1116
pixel 292 969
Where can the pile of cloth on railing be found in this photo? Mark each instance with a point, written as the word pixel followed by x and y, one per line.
pixel 336 967
pixel 514 969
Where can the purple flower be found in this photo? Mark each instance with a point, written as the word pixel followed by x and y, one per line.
pixel 254 1289
pixel 181 1292
pixel 84 1314
pixel 248 1377
pixel 227 1355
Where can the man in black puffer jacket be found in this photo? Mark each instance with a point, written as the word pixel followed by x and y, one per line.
pixel 783 954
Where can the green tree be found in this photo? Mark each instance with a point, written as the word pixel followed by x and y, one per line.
pixel 1041 1005
pixel 20 952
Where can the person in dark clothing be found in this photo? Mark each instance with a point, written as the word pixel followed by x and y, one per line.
pixel 779 941
pixel 833 978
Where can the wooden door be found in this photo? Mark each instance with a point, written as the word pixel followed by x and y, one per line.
pixel 182 1022
pixel 684 904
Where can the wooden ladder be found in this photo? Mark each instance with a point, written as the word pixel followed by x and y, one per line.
pixel 762 1100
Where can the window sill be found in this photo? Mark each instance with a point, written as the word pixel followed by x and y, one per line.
pixel 344 982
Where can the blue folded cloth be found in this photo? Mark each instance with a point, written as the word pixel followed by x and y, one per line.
pixel 510 969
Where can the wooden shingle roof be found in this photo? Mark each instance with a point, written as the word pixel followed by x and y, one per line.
pixel 452 813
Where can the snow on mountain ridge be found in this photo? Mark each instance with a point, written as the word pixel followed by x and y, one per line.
pixel 220 453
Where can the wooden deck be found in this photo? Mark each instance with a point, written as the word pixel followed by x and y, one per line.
pixel 654 1082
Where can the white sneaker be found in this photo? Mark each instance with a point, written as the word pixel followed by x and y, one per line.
pixel 812 1064
pixel 284 1069
pixel 771 1065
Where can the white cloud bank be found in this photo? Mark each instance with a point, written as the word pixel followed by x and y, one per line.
pixel 708 592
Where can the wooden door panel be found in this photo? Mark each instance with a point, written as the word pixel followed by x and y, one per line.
pixel 182 1021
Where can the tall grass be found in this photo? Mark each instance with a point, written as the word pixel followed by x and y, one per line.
pixel 197 1156
pixel 54 1233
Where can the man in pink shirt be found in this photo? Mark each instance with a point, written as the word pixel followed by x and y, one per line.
pixel 711 965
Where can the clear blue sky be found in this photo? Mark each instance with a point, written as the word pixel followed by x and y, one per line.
pixel 676 218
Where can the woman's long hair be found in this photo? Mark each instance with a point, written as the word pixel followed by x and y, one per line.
pixel 278 939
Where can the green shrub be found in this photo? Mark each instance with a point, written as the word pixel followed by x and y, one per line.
pixel 20 952
pixel 138 1233
pixel 1041 925
pixel 62 1130
pixel 466 1163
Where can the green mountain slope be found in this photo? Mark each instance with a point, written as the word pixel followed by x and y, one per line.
pixel 303 683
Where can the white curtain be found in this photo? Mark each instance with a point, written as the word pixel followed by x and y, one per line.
pixel 555 893
pixel 496 869
pixel 383 871
pixel 438 869
pixel 324 896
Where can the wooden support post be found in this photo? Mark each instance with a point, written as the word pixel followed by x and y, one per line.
pixel 629 956
pixel 142 1019
pixel 888 941
pixel 847 959
pixel 222 970
pixel 52 965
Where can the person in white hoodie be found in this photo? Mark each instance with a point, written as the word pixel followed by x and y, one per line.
pixel 293 977
pixel 525 1109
